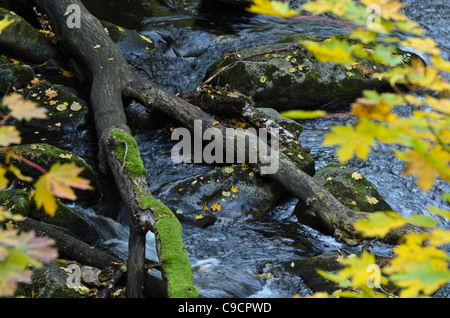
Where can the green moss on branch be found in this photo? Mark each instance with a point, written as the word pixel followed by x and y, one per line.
pixel 128 148
pixel 174 258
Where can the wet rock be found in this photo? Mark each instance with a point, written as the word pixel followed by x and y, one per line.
pixel 286 76
pixel 349 187
pixel 65 219
pixel 306 268
pixel 234 190
pixel 65 111
pixel 51 281
pixel 22 40
pixel 13 76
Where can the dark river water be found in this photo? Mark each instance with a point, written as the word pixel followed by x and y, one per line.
pixel 229 256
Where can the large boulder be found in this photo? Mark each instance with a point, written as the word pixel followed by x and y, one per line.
pixel 22 40
pixel 65 219
pixel 349 187
pixel 13 75
pixel 229 192
pixel 65 111
pixel 286 76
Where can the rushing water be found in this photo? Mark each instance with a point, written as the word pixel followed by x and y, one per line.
pixel 230 256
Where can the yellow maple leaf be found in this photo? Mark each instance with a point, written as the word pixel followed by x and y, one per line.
pixel 23 109
pixel 379 223
pixel 275 8
pixel 51 93
pixel 427 165
pixel 427 45
pixel 9 135
pixel 327 53
pixel 199 217
pixel 318 7
pixel 58 182
pixel 4 23
pixel 380 110
pixel 66 73
pixel 351 140
pixel 216 206
pixel 234 189
pixel 205 207
pixel 388 9
pixel 356 175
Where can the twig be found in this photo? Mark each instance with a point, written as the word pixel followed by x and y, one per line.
pixel 290 48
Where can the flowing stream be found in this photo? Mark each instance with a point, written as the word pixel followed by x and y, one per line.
pixel 236 257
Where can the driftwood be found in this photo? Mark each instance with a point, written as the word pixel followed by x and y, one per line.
pixel 112 81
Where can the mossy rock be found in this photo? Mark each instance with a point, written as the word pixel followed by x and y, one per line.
pixel 46 156
pixel 292 79
pixel 65 111
pixel 49 281
pixel 287 123
pixel 13 76
pixel 22 40
pixel 301 159
pixel 349 187
pixel 65 219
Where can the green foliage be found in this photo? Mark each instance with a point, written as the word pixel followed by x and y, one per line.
pixel 419 266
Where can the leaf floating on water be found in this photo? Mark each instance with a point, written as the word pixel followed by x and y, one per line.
pixel 263 79
pixel 199 217
pixel 145 38
pixel 205 207
pixel 234 189
pixel 226 193
pixel 228 170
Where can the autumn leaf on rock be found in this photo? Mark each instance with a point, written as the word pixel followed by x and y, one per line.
pixel 216 206
pixel 58 182
pixel 51 93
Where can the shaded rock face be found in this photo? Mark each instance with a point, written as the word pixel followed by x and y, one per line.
pixel 13 76
pixel 65 219
pixel 286 76
pixel 349 187
pixel 22 40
